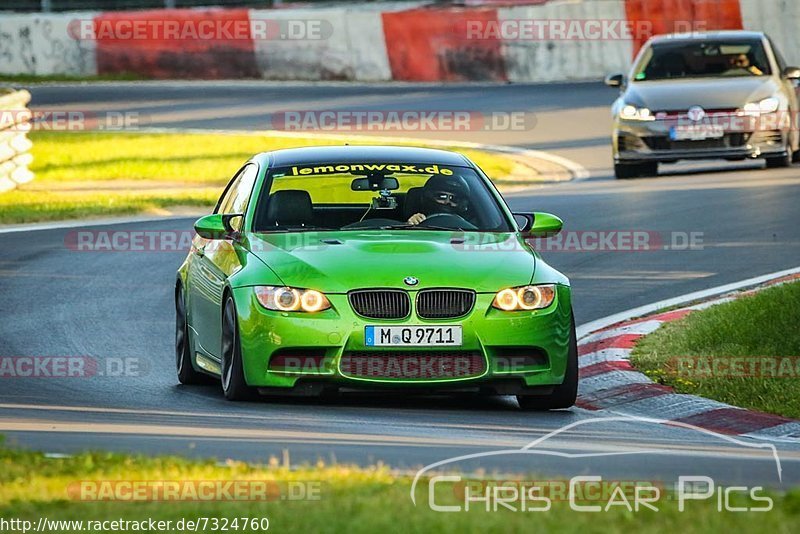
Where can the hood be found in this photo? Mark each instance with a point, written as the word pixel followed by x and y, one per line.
pixel 337 262
pixel 716 93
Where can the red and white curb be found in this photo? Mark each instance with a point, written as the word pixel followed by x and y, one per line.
pixel 608 381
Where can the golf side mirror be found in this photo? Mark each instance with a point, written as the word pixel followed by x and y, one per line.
pixel 791 73
pixel 538 224
pixel 615 80
pixel 216 226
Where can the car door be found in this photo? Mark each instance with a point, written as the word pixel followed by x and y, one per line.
pixel 213 262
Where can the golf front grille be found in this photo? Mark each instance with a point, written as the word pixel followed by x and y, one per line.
pixel 412 365
pixel 380 303
pixel 444 303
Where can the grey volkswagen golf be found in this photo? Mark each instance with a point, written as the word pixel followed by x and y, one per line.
pixel 722 95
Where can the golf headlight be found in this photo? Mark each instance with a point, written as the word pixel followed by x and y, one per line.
pixel 768 105
pixel 632 113
pixel 289 299
pixel 525 298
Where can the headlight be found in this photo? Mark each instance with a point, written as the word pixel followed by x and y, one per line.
pixel 525 298
pixel 632 113
pixel 289 299
pixel 768 105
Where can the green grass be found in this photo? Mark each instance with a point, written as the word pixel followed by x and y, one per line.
pixel 759 328
pixel 84 174
pixel 350 499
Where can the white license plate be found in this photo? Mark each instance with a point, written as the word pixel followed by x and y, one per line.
pixel 696 132
pixel 413 336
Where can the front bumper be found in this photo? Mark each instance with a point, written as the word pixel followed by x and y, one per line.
pixel 636 142
pixel 339 333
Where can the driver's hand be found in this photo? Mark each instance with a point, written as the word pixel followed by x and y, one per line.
pixel 416 218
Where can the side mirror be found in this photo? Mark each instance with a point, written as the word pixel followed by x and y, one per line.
pixel 539 224
pixel 615 80
pixel 216 226
pixel 791 73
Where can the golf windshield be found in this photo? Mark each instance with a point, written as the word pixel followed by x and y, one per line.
pixel 688 59
pixel 378 196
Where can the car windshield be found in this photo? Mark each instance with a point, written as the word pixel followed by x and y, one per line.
pixel 701 59
pixel 378 196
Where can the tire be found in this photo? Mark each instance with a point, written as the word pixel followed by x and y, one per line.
pixel 234 385
pixel 780 162
pixel 564 395
pixel 648 169
pixel 626 171
pixel 183 354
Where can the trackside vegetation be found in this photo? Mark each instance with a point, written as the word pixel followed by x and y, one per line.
pixel 745 352
pixel 335 498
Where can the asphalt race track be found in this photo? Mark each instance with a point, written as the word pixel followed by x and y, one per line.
pixel 59 302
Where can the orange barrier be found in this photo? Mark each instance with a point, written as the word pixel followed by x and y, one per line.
pixel 668 16
pixel 178 43
pixel 434 45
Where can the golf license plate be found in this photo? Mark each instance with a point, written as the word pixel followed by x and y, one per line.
pixel 696 132
pixel 413 336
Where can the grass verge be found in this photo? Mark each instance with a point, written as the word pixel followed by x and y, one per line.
pixel 745 352
pixel 344 499
pixel 85 174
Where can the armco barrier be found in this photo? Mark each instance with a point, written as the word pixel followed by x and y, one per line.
pixel 376 42
pixel 433 45
pixel 566 59
pixel 154 54
pixel 329 44
pixel 43 44
pixel 15 157
pixel 669 16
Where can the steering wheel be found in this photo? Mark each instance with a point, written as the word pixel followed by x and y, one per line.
pixel 448 219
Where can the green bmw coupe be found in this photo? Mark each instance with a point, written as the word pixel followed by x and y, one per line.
pixel 334 269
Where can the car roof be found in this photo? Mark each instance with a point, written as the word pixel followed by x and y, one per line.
pixel 721 35
pixel 362 154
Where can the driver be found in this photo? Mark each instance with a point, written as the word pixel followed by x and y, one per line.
pixel 442 195
pixel 742 61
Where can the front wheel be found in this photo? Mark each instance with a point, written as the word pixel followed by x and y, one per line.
pixel 781 162
pixel 564 395
pixel 234 385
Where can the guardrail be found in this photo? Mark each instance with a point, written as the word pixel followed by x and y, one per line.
pixel 15 122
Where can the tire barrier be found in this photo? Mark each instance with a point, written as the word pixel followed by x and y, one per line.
pixel 15 122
